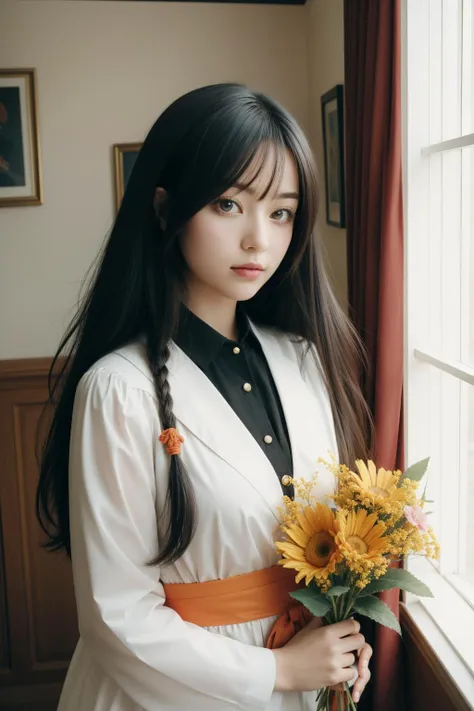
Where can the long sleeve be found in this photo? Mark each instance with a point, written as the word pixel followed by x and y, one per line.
pixel 156 658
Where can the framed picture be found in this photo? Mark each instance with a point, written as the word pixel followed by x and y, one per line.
pixel 332 106
pixel 20 159
pixel 125 155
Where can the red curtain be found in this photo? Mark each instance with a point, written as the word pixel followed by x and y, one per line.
pixel 375 260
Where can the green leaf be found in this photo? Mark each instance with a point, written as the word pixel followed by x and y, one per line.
pixel 318 605
pixel 416 471
pixel 315 591
pixel 424 492
pixel 337 590
pixel 397 578
pixel 378 611
pixel 423 498
pixel 375 587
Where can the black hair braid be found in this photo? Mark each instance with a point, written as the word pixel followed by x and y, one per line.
pixel 165 402
pixel 180 507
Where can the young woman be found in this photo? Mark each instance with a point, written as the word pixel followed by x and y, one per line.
pixel 209 363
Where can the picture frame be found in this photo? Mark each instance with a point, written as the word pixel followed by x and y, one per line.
pixel 20 154
pixel 125 155
pixel 332 109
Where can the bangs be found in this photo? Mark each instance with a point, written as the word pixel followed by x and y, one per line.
pixel 257 162
pixel 244 143
pixel 236 150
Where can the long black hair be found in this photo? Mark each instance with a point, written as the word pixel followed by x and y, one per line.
pixel 200 146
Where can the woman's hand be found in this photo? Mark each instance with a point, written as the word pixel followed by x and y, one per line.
pixel 363 670
pixel 363 673
pixel 320 656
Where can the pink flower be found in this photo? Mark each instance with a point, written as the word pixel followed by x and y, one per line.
pixel 417 517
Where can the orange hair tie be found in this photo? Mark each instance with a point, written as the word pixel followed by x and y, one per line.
pixel 172 439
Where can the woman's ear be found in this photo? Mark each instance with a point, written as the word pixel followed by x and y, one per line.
pixel 160 203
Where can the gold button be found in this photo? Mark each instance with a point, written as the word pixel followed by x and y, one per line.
pixel 286 480
pixel 236 350
pixel 268 439
pixel 247 387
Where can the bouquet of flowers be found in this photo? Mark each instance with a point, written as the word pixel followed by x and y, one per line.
pixel 343 552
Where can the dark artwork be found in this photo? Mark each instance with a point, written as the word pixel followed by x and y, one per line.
pixel 128 161
pixel 333 148
pixel 332 104
pixel 12 160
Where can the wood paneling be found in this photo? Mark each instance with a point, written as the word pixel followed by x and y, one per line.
pixel 5 659
pixel 38 628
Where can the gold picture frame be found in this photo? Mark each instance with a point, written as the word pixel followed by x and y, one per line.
pixel 20 154
pixel 125 155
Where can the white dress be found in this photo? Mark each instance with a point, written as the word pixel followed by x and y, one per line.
pixel 134 653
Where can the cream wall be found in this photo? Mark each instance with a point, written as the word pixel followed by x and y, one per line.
pixel 105 71
pixel 325 37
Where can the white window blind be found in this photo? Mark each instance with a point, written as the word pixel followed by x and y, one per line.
pixel 438 130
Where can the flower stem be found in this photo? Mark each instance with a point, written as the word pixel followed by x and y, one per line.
pixel 340 701
pixel 352 705
pixel 351 599
pixel 323 701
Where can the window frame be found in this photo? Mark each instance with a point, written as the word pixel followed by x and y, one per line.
pixel 447 620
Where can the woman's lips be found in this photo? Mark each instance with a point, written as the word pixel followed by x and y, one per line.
pixel 248 271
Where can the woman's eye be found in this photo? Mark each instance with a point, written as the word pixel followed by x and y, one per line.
pixel 283 215
pixel 226 205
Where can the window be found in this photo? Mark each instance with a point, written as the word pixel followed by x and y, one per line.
pixel 438 119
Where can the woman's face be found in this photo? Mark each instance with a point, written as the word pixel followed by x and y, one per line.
pixel 234 245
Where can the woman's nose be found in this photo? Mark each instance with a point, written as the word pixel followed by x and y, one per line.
pixel 256 235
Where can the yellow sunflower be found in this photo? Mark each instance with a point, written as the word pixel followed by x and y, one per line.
pixel 311 550
pixel 380 487
pixel 360 540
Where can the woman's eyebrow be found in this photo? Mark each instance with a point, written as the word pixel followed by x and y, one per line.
pixel 280 196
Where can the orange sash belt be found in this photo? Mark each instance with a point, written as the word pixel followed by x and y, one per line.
pixel 242 598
